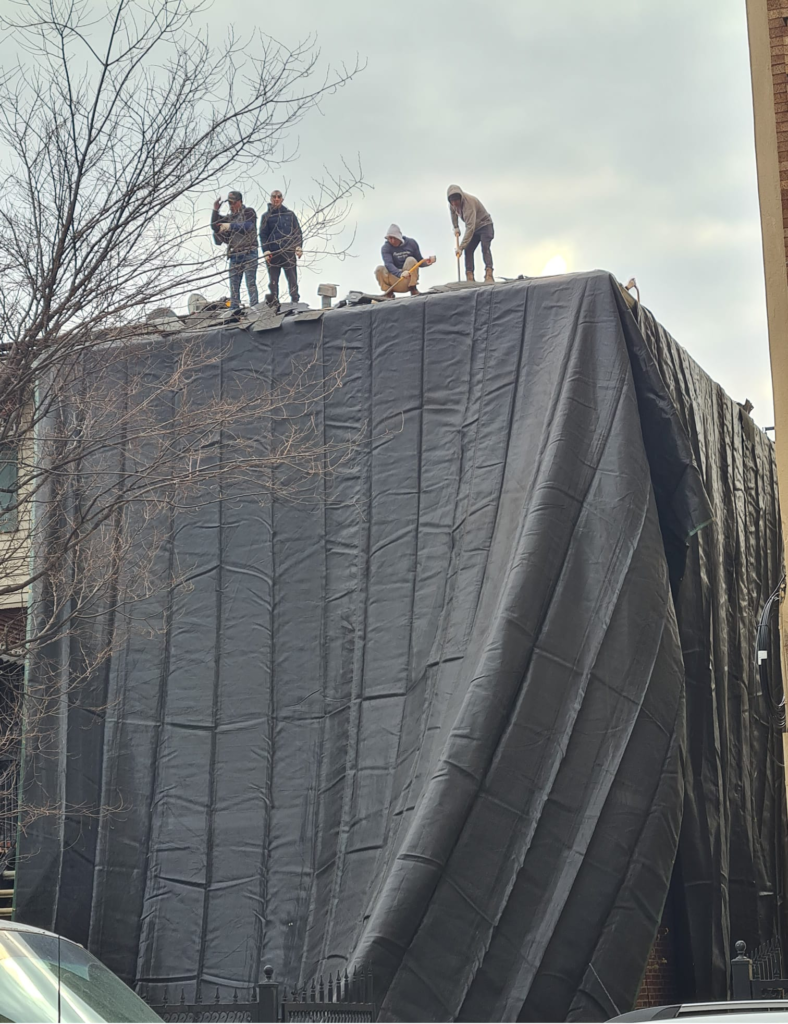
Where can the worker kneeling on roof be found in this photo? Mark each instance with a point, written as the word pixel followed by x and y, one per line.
pixel 478 229
pixel 399 271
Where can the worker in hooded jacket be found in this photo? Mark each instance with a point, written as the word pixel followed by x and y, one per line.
pixel 401 255
pixel 478 229
pixel 281 241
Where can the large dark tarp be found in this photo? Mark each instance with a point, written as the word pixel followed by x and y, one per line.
pixel 461 716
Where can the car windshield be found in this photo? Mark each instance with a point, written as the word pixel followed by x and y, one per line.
pixel 88 990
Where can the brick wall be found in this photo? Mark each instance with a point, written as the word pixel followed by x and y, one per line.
pixel 660 984
pixel 778 38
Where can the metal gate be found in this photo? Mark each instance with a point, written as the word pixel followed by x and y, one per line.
pixel 215 1012
pixel 761 975
pixel 344 998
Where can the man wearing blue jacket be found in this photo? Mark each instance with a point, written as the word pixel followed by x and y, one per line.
pixel 281 241
pixel 400 256
pixel 238 231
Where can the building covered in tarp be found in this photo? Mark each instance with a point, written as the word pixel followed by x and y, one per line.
pixel 473 713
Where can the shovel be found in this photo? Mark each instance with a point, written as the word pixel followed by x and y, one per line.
pixel 390 292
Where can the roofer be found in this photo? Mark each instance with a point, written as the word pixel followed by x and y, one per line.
pixel 238 231
pixel 398 271
pixel 281 241
pixel 478 228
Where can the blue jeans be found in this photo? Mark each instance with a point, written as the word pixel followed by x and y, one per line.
pixel 243 263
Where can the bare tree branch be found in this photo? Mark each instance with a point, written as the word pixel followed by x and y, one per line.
pixel 115 129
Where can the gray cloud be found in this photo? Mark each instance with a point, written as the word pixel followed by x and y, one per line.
pixel 617 134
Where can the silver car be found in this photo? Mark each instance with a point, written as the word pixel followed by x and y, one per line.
pixel 751 1011
pixel 44 977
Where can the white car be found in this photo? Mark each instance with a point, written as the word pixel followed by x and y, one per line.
pixel 751 1011
pixel 44 977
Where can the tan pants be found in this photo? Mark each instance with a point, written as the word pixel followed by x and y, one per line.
pixel 401 284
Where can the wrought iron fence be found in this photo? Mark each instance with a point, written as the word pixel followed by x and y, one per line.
pixel 237 1010
pixel 759 976
pixel 767 961
pixel 347 998
pixel 344 998
pixel 306 1013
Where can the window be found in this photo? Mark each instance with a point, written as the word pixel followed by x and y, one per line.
pixel 9 474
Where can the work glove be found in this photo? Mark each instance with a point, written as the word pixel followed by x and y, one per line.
pixel 267 257
pixel 457 252
pixel 299 252
pixel 224 227
pixel 405 273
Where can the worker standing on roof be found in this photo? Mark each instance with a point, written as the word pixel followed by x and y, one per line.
pixel 399 272
pixel 238 231
pixel 478 228
pixel 281 241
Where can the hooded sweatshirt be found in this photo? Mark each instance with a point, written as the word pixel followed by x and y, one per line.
pixel 394 258
pixel 472 213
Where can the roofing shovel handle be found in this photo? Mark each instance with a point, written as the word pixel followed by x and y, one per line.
pixel 415 266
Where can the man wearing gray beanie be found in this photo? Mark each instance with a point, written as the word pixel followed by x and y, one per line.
pixel 400 256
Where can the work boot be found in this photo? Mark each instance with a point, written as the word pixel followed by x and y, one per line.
pixel 271 300
pixel 415 291
pixel 295 297
pixel 469 275
pixel 488 277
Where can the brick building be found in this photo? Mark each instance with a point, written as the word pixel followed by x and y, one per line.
pixel 767 22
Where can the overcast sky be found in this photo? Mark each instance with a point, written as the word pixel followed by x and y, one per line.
pixel 615 134
pixel 612 134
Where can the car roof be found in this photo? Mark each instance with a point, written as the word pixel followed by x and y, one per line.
pixel 17 926
pixel 731 1011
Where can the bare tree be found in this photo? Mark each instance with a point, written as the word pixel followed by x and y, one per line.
pixel 115 133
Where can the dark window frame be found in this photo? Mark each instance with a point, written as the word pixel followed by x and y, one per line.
pixel 9 488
